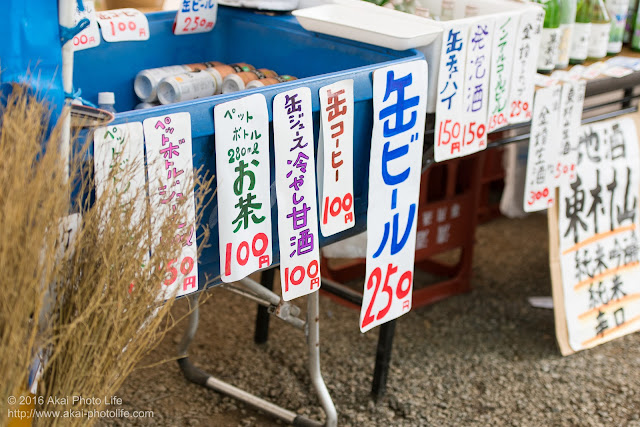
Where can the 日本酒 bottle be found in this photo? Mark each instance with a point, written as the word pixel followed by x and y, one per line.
pixel 631 20
pixel 600 28
pixel 618 10
pixel 550 38
pixel 567 22
pixel 581 33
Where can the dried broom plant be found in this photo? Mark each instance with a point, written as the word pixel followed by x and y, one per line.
pixel 104 306
pixel 33 193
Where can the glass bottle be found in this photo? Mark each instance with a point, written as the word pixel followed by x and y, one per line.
pixel 567 22
pixel 635 40
pixel 447 11
pixel 600 28
pixel 618 10
pixel 550 38
pixel 631 20
pixel 581 32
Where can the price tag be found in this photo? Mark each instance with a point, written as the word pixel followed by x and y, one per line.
pixel 90 36
pixel 539 185
pixel 195 16
pixel 476 87
pixel 296 193
pixel 243 174
pixel 449 103
pixel 503 55
pixel 170 157
pixel 569 126
pixel 524 64
pixel 335 158
pixel 121 25
pixel 399 106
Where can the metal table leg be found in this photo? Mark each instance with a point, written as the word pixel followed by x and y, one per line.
pixel 287 313
pixel 383 358
pixel 262 316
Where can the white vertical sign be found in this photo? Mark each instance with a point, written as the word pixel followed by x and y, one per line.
pixel 476 86
pixel 243 175
pixel 170 167
pixel 539 186
pixel 524 65
pixel 335 158
pixel 503 57
pixel 449 103
pixel 118 154
pixel 296 193
pixel 569 118
pixel 399 108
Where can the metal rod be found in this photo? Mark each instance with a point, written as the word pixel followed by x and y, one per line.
pixel 190 333
pixel 260 290
pixel 229 287
pixel 261 333
pixel 383 359
pixel 341 291
pixel 525 136
pixel 313 341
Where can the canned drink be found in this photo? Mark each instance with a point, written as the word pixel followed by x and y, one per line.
pixel 187 86
pixel 222 71
pixel 239 81
pixel 146 83
pixel 269 81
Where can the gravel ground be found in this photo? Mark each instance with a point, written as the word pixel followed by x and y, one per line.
pixel 482 358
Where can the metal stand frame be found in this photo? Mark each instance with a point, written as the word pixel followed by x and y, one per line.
pixel 287 312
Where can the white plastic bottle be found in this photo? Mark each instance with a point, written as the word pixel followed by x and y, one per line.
pixel 106 101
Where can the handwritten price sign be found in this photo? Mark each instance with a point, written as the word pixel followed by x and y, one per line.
pixel 120 25
pixel 399 108
pixel 170 156
pixel 570 117
pixel 449 106
pixel 505 29
pixel 243 173
pixel 335 158
pixel 90 36
pixel 524 65
pixel 296 192
pixel 196 16
pixel 539 184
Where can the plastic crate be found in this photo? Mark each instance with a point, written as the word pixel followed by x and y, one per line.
pixel 274 42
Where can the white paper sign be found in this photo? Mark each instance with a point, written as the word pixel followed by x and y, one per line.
pixel 195 16
pixel 476 87
pixel 449 104
pixel 399 106
pixel 90 36
pixel 119 150
pixel 121 25
pixel 243 174
pixel 524 65
pixel 539 185
pixel 296 193
pixel 598 229
pixel 335 158
pixel 569 125
pixel 503 56
pixel 170 165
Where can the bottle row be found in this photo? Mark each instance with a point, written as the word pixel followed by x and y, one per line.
pixel 575 31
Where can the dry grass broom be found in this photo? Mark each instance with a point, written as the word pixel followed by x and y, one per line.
pixel 95 308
